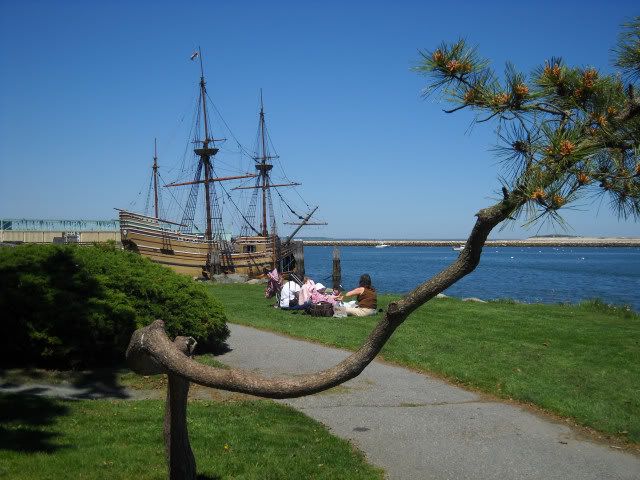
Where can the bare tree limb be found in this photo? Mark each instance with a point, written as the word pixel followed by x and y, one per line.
pixel 151 351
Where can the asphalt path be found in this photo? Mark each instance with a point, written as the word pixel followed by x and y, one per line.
pixel 418 427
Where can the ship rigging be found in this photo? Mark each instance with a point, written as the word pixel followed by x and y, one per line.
pixel 185 248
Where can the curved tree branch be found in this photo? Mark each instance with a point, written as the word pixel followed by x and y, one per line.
pixel 466 262
pixel 150 351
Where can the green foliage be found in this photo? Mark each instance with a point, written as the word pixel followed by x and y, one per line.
pixel 73 307
pixel 564 132
pixel 628 49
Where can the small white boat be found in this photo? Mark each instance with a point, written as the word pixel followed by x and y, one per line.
pixel 381 245
pixel 459 248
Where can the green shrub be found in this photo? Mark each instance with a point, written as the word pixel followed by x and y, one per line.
pixel 75 307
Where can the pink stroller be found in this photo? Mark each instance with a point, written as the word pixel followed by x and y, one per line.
pixel 274 284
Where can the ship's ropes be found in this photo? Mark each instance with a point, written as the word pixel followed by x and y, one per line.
pixel 148 207
pixel 272 215
pixel 224 247
pixel 244 151
pixel 246 221
pixel 175 200
pixel 251 211
pixel 300 217
pixel 190 210
pixel 218 234
pixel 147 204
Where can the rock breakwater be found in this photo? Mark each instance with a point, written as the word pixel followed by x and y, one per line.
pixel 526 242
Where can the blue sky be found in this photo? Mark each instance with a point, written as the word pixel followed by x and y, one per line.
pixel 86 86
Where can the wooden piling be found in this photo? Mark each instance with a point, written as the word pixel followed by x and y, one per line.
pixel 336 274
pixel 298 255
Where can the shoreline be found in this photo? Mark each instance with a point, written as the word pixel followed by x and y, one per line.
pixel 526 242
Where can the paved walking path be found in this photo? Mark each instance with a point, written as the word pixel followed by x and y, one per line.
pixel 411 425
pixel 418 427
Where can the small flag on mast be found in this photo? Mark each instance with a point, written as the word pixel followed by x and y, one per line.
pixel 194 55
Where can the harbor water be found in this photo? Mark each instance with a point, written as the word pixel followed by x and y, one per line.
pixel 524 274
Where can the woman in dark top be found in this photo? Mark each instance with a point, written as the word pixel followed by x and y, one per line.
pixel 367 298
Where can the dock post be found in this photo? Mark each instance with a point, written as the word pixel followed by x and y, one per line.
pixel 298 255
pixel 336 274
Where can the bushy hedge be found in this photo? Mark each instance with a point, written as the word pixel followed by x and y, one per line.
pixel 76 307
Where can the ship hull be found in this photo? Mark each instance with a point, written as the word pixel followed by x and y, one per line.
pixel 193 255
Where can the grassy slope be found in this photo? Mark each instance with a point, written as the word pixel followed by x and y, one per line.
pixel 44 438
pixel 581 361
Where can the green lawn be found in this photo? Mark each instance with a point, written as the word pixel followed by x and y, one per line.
pixel 42 438
pixel 579 361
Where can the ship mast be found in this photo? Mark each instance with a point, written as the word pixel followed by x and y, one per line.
pixel 263 182
pixel 217 245
pixel 263 167
pixel 205 152
pixel 155 176
pixel 214 227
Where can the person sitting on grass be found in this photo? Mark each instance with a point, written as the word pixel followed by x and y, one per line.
pixel 308 286
pixel 367 298
pixel 289 295
pixel 319 294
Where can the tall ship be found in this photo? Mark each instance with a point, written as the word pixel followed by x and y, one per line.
pixel 204 248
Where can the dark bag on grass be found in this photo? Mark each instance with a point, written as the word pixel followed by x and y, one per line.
pixel 322 309
pixel 294 302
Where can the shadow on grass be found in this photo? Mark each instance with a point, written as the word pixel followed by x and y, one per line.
pixel 219 349
pixel 22 418
pixel 90 384
pixel 99 384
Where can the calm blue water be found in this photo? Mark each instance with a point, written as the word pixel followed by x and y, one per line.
pixel 529 274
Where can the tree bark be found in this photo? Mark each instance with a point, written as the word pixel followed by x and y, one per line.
pixel 182 463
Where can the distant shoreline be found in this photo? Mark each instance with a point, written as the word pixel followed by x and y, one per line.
pixel 525 242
